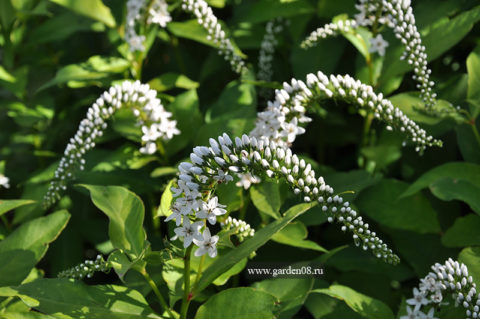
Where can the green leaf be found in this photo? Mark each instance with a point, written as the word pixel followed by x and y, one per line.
pixel 126 213
pixel 473 93
pixel 266 198
pixel 74 299
pixel 449 188
pixel 464 232
pixel 190 30
pixel 236 99
pixel 23 248
pixel 95 69
pixel 470 256
pixel 165 201
pixel 94 9
pixel 25 315
pixel 380 202
pixel 224 262
pixel 360 303
pixel 7 14
pixel 186 111
pixel 238 303
pixel 171 80
pixel 325 307
pixel 8 205
pixel 295 234
pixel 292 293
pixel 11 292
pixel 445 178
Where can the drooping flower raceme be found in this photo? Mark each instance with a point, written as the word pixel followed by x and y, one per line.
pixel 86 269
pixel 209 21
pixel 241 229
pixel 328 30
pixel 154 120
pixel 136 11
pixel 452 276
pixel 4 181
pixel 280 121
pixel 214 164
pixel 398 14
pixel 267 49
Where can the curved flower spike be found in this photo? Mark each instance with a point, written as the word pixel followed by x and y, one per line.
pixel 398 15
pixel 214 164
pixel 452 276
pixel 86 269
pixel 281 118
pixel 329 30
pixel 241 229
pixel 151 116
pixel 209 21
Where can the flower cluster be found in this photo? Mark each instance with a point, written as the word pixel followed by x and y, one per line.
pixel 280 121
pixel 86 269
pixel 151 116
pixel 4 181
pixel 157 14
pixel 209 21
pixel 267 49
pixel 193 205
pixel 453 276
pixel 398 14
pixel 328 30
pixel 241 229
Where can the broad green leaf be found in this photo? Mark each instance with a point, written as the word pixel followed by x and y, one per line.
pixel 163 171
pixel 11 292
pixel 326 307
pixel 364 305
pixel 235 269
pixel 466 140
pixel 95 69
pixel 94 9
pixel 355 181
pixel 6 76
pixel 473 94
pixel 224 262
pixel 166 201
pixel 470 256
pixel 295 234
pixel 120 263
pixel 126 212
pixel 171 80
pixel 23 248
pixel 74 299
pixel 186 111
pixel 266 198
pixel 7 14
pixel 230 195
pixel 455 171
pixel 8 205
pixel 450 188
pixel 190 30
pixel 238 303
pixel 464 232
pixel 292 293
pixel 25 315
pixel 381 203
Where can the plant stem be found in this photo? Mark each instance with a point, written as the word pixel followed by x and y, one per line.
pixel 186 280
pixel 475 130
pixel 199 271
pixel 157 292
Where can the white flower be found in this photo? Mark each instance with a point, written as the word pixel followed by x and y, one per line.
pixel 291 130
pixel 211 210
pixel 378 44
pixel 4 181
pixel 207 245
pixel 159 14
pixel 189 232
pixel 247 179
pixel 177 212
pixel 418 299
pixel 411 314
pixel 430 314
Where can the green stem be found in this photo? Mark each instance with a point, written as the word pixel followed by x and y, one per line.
pixel 475 130
pixel 157 292
pixel 186 280
pixel 199 271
